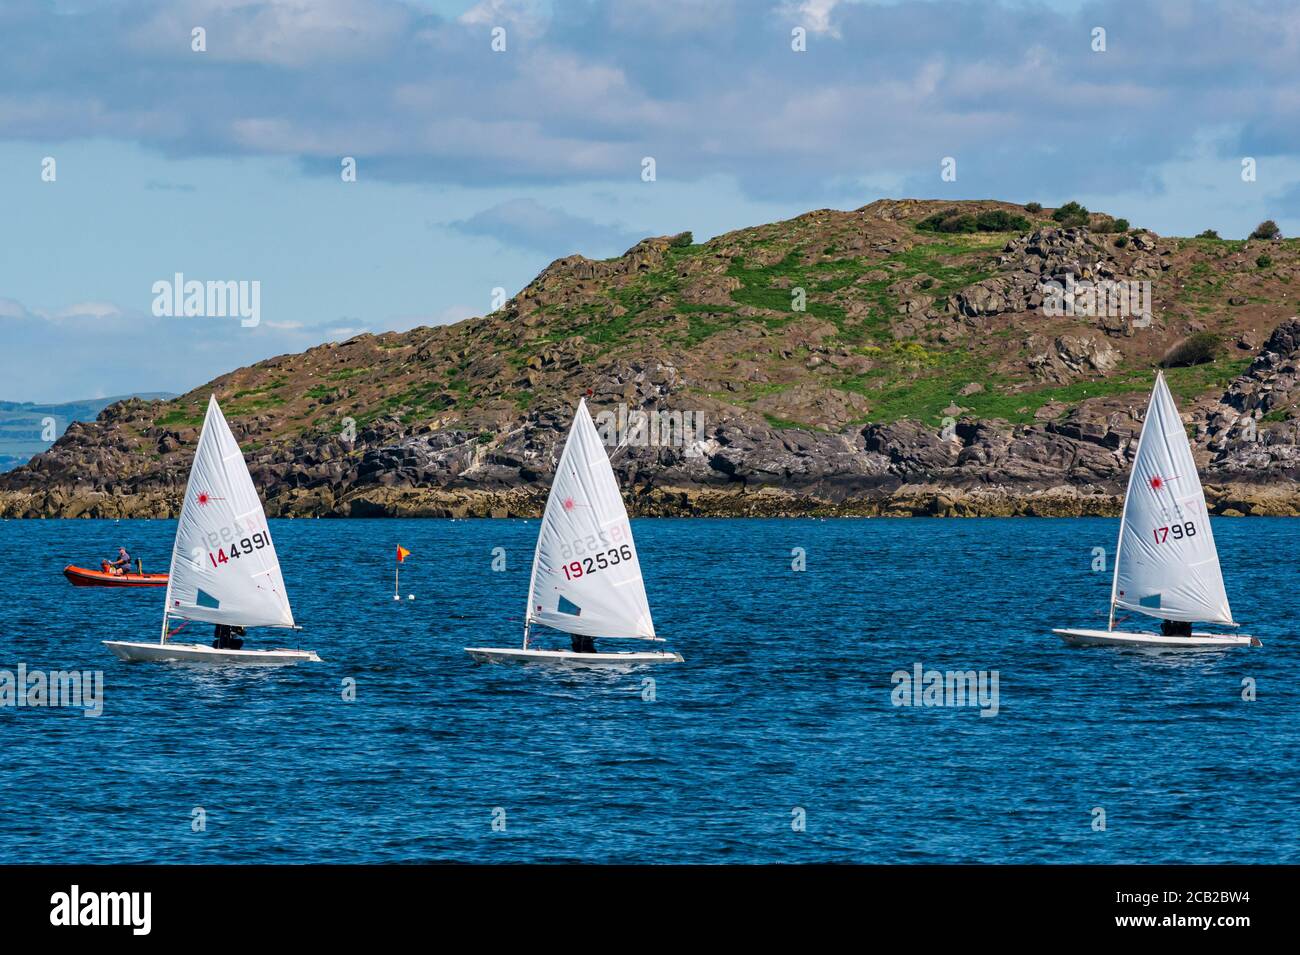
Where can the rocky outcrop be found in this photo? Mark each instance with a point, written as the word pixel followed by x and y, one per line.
pixel 1254 431
pixel 1067 357
pixel 1072 467
pixel 981 467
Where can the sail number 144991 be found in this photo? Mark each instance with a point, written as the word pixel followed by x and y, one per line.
pixel 237 548
pixel 1176 531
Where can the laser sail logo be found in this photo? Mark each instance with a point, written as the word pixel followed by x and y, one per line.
pixel 73 908
pixel 193 299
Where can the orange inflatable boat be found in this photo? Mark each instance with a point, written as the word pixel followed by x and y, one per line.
pixel 82 577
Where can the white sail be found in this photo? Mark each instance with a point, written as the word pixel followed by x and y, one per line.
pixel 224 568
pixel 586 576
pixel 1167 565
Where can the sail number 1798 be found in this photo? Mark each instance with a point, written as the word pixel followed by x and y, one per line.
pixel 1176 531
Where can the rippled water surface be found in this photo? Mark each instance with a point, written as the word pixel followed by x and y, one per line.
pixel 783 703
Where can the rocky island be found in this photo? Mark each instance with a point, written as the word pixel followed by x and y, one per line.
pixel 906 358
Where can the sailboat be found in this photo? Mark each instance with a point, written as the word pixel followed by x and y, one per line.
pixel 1166 564
pixel 586 578
pixel 224 568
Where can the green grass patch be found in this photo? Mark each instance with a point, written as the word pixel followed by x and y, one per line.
pixel 180 418
pixel 243 408
pixel 1189 383
pixel 785 424
pixel 924 396
pixel 343 374
pixel 703 325
pixel 273 385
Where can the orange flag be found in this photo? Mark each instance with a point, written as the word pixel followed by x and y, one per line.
pixel 402 553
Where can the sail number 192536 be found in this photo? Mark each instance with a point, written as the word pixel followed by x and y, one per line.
pixel 589 565
pixel 1176 531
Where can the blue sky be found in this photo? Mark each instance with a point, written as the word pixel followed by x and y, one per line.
pixel 476 168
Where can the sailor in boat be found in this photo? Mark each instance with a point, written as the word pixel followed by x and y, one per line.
pixel 228 638
pixel 582 643
pixel 1175 628
pixel 117 567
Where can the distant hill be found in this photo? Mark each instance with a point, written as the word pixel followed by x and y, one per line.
pixel 24 426
pixel 907 357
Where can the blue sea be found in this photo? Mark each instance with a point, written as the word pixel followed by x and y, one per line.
pixel 776 741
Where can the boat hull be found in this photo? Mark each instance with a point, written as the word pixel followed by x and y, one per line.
pixel 567 658
pixel 198 653
pixel 1120 638
pixel 84 577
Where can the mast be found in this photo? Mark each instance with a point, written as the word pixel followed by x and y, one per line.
pixel 532 584
pixel 537 548
pixel 532 578
pixel 1114 578
pixel 586 579
pixel 1128 491
pixel 238 580
pixel 171 573
pixel 171 568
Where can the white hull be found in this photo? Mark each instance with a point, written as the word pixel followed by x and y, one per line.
pixel 198 653
pixel 1120 638
pixel 567 658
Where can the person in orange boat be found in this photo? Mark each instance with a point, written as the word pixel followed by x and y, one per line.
pixel 120 566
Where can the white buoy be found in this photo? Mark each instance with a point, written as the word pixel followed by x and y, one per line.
pixel 410 596
pixel 397 597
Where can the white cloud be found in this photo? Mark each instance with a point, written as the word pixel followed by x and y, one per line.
pixel 99 347
pixel 340 332
pixel 13 310
pixel 815 15
pixel 92 310
pixel 291 33
pixel 527 224
pixel 526 15
pixel 587 89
